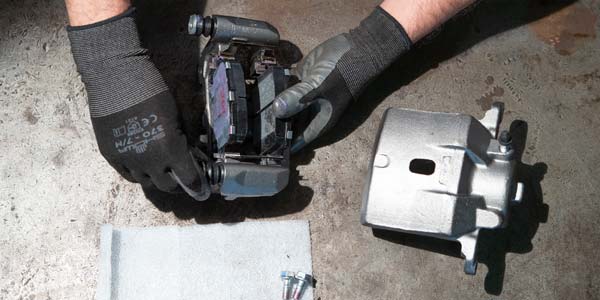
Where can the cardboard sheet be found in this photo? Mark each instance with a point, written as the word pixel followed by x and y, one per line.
pixel 212 262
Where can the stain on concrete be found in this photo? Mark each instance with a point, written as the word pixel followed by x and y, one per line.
pixel 31 116
pixel 589 103
pixel 588 79
pixel 489 80
pixel 513 86
pixel 536 58
pixel 59 158
pixel 62 109
pixel 115 191
pixel 566 29
pixel 485 102
pixel 559 110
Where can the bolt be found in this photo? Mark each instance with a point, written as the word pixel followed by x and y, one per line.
pixel 288 282
pixel 289 135
pixel 505 141
pixel 195 25
pixel 303 279
pixel 505 138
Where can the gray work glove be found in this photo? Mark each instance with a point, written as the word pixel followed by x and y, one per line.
pixel 134 116
pixel 338 70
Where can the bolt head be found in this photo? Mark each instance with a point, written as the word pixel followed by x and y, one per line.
pixel 505 138
pixel 195 25
pixel 303 276
pixel 287 274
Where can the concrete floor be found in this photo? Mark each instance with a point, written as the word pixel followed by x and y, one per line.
pixel 543 61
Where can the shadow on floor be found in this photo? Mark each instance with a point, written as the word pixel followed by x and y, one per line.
pixel 524 218
pixel 493 245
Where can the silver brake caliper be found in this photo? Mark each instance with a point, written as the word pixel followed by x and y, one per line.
pixel 442 175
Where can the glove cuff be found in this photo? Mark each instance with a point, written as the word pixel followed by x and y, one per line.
pixel 381 37
pixel 376 43
pixel 114 67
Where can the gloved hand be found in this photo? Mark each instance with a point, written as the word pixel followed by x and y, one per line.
pixel 338 70
pixel 134 116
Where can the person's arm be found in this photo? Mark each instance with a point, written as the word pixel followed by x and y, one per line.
pixel 85 12
pixel 338 70
pixel 420 17
pixel 135 118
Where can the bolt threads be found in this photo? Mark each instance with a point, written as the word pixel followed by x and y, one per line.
pixel 299 290
pixel 287 289
pixel 288 282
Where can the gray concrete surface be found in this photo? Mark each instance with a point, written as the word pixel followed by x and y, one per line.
pixel 543 62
